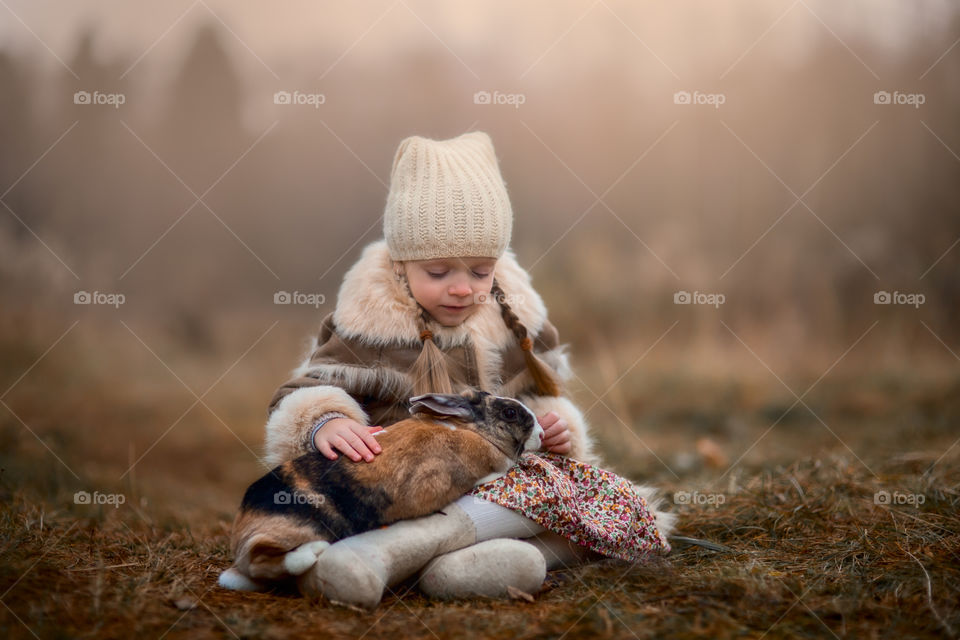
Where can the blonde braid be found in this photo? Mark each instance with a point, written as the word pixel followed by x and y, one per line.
pixel 546 380
pixel 429 371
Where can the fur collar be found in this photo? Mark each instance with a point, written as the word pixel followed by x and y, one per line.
pixel 374 306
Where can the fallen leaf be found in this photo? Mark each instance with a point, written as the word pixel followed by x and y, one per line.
pixel 711 453
pixel 513 592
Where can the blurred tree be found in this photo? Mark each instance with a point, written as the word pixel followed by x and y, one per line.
pixel 85 164
pixel 16 132
pixel 93 75
pixel 201 129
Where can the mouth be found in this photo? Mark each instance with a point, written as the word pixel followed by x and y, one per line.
pixel 453 308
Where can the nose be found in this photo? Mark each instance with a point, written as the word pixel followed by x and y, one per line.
pixel 460 288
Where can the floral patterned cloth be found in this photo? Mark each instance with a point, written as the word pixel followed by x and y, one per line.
pixel 585 504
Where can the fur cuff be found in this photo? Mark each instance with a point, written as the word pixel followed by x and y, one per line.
pixel 290 424
pixel 581 446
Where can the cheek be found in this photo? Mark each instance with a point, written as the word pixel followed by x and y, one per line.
pixel 434 290
pixel 424 289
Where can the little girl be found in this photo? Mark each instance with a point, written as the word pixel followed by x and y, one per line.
pixel 440 305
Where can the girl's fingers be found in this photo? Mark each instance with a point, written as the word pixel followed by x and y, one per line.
pixel 554 429
pixel 560 426
pixel 560 439
pixel 324 448
pixel 359 445
pixel 548 419
pixel 368 442
pixel 557 434
pixel 345 447
pixel 561 448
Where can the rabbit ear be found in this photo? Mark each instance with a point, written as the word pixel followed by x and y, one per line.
pixel 442 404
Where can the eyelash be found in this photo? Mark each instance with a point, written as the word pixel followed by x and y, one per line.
pixel 437 276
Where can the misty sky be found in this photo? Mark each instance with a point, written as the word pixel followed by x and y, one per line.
pixel 282 34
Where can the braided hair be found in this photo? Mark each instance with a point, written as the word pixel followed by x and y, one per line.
pixel 430 372
pixel 546 381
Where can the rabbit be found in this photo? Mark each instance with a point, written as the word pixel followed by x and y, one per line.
pixel 449 445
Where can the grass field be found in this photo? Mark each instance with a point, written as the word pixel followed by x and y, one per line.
pixel 841 519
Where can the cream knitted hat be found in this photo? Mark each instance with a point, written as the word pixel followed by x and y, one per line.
pixel 447 199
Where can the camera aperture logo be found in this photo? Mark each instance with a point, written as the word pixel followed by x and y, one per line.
pixel 708 499
pixel 912 299
pixel 698 97
pixel 98 297
pixel 697 297
pixel 898 97
pixel 110 99
pixel 298 98
pixel 498 97
pixel 85 497
pixel 312 299
pixel 296 497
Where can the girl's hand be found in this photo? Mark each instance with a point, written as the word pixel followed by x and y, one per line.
pixel 349 437
pixel 556 433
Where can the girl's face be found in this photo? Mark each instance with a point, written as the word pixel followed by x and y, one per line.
pixel 449 288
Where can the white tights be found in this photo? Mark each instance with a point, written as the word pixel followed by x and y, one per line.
pixel 494 521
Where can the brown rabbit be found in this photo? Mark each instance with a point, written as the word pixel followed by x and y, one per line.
pixel 452 443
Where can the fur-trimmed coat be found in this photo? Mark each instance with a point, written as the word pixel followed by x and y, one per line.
pixel 360 363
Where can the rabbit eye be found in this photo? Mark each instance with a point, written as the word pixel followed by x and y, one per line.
pixel 509 413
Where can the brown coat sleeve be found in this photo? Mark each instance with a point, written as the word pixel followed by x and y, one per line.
pixel 340 375
pixel 329 349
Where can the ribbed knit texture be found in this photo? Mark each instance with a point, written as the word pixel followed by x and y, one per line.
pixel 494 521
pixel 447 199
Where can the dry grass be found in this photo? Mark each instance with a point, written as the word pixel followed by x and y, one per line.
pixel 812 555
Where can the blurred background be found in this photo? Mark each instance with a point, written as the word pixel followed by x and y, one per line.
pixel 785 167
